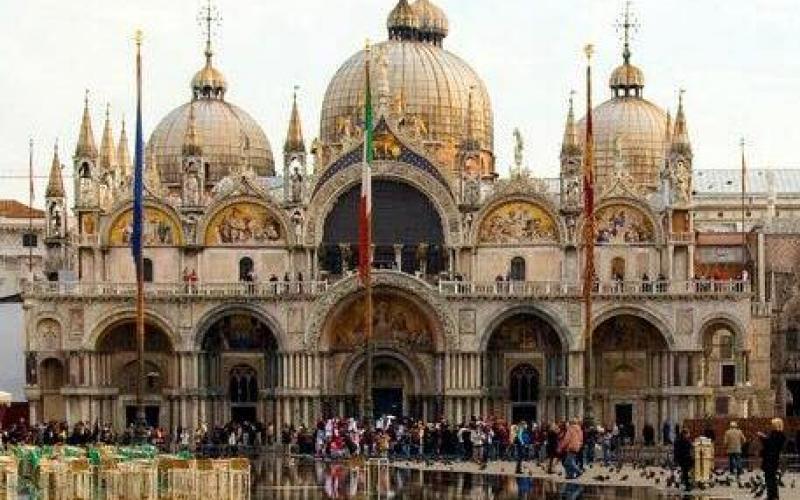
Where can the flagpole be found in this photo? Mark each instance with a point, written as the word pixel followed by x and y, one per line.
pixel 139 261
pixel 588 245
pixel 744 190
pixel 30 208
pixel 367 271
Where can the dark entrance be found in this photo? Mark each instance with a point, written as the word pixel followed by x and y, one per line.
pixel 526 413
pixel 150 415
pixel 243 413
pixel 793 408
pixel 387 402
pixel 624 419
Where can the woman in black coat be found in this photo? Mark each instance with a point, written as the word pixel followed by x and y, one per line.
pixel 684 457
pixel 771 447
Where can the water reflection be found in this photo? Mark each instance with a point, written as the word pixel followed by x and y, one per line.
pixel 283 478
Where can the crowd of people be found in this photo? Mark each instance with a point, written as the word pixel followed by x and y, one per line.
pixel 569 444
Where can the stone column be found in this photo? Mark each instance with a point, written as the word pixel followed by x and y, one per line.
pixel 762 272
pixel 398 256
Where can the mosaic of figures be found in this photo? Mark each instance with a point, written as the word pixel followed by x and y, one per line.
pixel 396 320
pixel 623 224
pixel 243 224
pixel 239 332
pixel 159 229
pixel 517 222
pixel 525 332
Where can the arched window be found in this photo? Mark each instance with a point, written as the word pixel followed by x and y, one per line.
pixel 517 271
pixel 618 269
pixel 524 384
pixel 245 269
pixel 147 270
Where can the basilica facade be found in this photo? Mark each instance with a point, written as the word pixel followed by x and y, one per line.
pixel 253 309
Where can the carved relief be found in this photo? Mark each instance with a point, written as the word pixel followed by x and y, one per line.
pixel 159 229
pixel 243 224
pixel 517 222
pixel 619 223
pixel 684 321
pixel 466 321
pixel 294 320
pixel 48 335
pixel 76 321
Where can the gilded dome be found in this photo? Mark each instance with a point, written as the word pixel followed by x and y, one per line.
pixel 626 76
pixel 638 128
pixel 225 132
pixel 425 80
pixel 432 19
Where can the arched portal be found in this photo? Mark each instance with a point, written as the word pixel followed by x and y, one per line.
pixel 631 359
pixel 239 358
pixel 525 367
pixel 117 352
pixel 408 233
pixel 406 338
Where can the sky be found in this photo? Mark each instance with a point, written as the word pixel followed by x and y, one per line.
pixel 738 60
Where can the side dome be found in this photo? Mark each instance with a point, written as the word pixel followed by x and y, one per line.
pixel 432 19
pixel 638 128
pixel 227 135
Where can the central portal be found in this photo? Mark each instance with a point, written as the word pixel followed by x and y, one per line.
pixel 387 402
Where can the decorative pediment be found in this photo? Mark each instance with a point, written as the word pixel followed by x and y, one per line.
pixel 237 184
pixel 522 184
pixel 621 184
pixel 388 146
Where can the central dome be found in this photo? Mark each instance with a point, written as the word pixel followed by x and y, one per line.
pixel 226 133
pixel 425 81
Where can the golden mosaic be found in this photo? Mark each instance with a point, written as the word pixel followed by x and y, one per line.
pixel 623 224
pixel 518 222
pixel 244 224
pixel 159 229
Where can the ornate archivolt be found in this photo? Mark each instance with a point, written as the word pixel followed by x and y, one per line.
pixel 726 321
pixel 659 323
pixel 326 197
pixel 161 227
pixel 211 317
pixel 244 221
pixel 437 331
pixel 128 314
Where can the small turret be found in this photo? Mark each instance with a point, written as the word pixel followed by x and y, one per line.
pixel 294 157
pixel 680 135
pixel 571 161
pixel 55 218
pixel 124 164
pixel 85 161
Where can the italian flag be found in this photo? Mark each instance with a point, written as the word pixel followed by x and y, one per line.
pixel 365 207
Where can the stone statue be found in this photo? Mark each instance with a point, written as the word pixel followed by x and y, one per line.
pixel 422 256
pixel 316 151
pixel 296 185
pixel 519 147
pixel 345 128
pixel 683 181
pixel 55 219
pixel 297 221
pixel 472 190
pixel 104 191
pixel 347 256
pixel 466 224
pixel 618 148
pixel 192 191
pixel 31 377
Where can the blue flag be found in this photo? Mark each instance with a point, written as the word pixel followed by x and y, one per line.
pixel 138 172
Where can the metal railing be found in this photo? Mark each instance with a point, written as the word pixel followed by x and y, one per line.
pixel 235 289
pixel 614 288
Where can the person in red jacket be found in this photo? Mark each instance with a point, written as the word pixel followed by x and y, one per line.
pixel 569 446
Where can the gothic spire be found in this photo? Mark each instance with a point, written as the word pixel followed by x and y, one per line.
pixel 191 142
pixel 570 145
pixel 55 183
pixel 86 145
pixel 680 135
pixel 123 154
pixel 108 154
pixel 294 136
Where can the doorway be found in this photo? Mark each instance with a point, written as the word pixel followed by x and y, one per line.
pixel 241 414
pixel 387 402
pixel 624 419
pixel 793 407
pixel 151 414
pixel 525 413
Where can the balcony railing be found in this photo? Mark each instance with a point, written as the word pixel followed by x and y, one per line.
pixel 613 288
pixel 237 289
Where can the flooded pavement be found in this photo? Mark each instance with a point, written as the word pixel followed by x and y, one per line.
pixel 280 477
